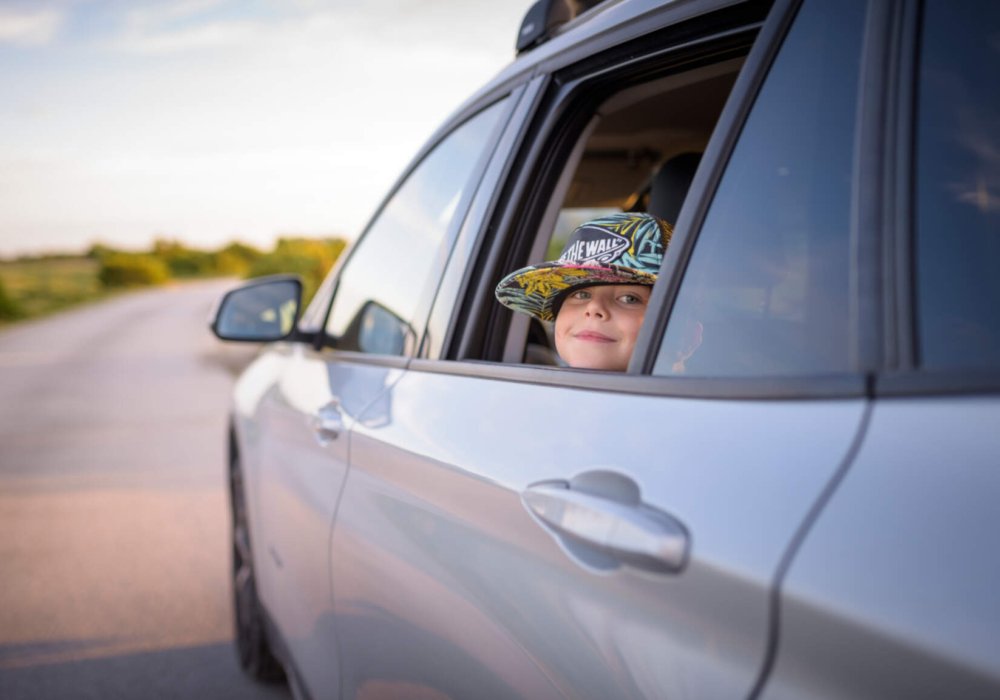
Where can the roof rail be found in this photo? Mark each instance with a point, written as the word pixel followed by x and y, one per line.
pixel 545 16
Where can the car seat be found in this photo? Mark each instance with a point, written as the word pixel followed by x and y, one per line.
pixel 670 184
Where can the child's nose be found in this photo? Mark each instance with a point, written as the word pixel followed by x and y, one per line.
pixel 596 307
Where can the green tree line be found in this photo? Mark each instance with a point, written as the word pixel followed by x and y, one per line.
pixel 34 285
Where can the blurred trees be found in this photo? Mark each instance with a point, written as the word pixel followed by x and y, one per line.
pixel 132 270
pixel 236 259
pixel 309 258
pixel 104 269
pixel 10 310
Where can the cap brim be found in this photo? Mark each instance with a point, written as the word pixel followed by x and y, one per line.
pixel 534 290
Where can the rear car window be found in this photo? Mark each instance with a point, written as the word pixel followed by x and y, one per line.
pixel 958 186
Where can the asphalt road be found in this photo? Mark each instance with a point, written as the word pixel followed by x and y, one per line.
pixel 114 552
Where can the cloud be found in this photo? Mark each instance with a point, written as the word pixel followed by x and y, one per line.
pixel 206 36
pixel 182 26
pixel 159 14
pixel 28 27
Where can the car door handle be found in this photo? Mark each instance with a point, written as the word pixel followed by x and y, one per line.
pixel 328 423
pixel 620 527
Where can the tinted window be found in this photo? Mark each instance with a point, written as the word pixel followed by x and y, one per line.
pixel 958 186
pixel 388 275
pixel 766 289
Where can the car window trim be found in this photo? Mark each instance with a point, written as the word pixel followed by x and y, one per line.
pixel 875 193
pixel 937 382
pixel 899 290
pixel 791 387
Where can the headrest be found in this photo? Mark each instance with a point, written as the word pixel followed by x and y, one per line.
pixel 670 185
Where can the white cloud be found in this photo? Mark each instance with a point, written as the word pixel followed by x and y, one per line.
pixel 206 36
pixel 28 27
pixel 180 26
pixel 157 14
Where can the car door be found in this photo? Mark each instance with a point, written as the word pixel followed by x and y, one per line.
pixel 536 532
pixel 305 417
pixel 893 591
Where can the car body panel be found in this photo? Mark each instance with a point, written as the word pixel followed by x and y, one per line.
pixel 298 479
pixel 438 565
pixel 901 572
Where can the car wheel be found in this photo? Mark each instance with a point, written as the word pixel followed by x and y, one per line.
pixel 254 652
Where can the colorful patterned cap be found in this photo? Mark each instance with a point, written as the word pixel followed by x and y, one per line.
pixel 625 248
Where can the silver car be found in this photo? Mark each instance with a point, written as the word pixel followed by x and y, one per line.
pixel 426 504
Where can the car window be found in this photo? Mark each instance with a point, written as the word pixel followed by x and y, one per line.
pixel 634 149
pixel 958 186
pixel 384 283
pixel 765 292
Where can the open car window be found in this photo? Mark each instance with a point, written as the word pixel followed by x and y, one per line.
pixel 637 151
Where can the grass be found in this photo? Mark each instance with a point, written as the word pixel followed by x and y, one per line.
pixel 40 287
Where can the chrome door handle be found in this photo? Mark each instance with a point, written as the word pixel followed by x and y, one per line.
pixel 328 423
pixel 629 531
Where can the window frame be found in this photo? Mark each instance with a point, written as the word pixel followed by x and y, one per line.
pixel 573 93
pixel 471 323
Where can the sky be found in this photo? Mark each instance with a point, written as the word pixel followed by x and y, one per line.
pixel 210 121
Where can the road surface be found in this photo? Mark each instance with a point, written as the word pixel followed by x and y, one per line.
pixel 114 553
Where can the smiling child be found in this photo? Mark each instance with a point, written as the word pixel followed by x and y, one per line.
pixel 598 289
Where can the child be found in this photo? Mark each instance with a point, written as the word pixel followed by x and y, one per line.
pixel 598 289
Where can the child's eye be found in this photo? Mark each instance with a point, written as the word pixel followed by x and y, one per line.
pixel 582 295
pixel 630 299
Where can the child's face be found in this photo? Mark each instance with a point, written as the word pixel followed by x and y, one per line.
pixel 597 326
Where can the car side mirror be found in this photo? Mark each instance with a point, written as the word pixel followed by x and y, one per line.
pixel 261 311
pixel 376 330
pixel 382 332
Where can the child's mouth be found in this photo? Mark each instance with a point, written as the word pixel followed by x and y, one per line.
pixel 594 337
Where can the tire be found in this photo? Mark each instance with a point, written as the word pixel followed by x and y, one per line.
pixel 252 648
